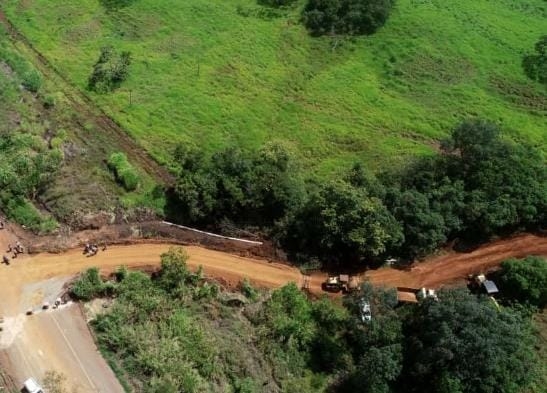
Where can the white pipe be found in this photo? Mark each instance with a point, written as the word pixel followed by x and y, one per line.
pixel 212 234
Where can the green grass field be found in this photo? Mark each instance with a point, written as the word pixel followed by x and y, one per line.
pixel 215 73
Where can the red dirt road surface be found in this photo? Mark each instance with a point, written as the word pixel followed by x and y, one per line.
pixel 454 267
pixel 59 340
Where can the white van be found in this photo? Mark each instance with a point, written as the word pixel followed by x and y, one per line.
pixel 31 386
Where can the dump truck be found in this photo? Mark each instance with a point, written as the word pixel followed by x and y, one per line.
pixel 479 281
pixel 341 282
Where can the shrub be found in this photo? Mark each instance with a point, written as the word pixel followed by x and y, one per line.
pixel 49 101
pixel 31 79
pixel 125 173
pixel 89 285
pixel 248 290
pixel 113 5
pixel 23 212
pixel 535 65
pixel 109 71
pixel 353 17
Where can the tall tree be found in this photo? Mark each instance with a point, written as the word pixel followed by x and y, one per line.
pixel 355 17
pixel 343 223
pixel 466 344
pixel 525 280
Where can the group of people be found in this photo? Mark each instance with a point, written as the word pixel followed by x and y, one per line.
pixel 92 249
pixel 17 249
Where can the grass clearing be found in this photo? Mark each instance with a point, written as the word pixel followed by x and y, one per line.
pixel 218 73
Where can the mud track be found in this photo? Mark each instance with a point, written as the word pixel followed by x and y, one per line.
pixel 88 111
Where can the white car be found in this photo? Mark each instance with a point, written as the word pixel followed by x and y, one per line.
pixel 31 386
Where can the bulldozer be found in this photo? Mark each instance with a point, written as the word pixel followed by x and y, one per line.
pixel 341 282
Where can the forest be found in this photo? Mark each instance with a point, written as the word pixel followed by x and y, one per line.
pixel 478 186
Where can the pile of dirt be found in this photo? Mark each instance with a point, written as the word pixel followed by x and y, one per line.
pixel 154 232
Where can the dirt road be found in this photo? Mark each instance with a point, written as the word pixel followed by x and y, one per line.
pixel 454 267
pixel 60 340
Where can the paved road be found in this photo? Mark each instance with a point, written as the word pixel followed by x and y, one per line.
pixel 59 340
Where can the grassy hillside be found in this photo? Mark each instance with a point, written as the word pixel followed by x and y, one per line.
pixel 214 73
pixel 54 150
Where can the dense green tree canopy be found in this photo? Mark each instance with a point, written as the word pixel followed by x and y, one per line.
pixel 525 280
pixel 466 344
pixel 248 189
pixel 354 17
pixel 344 223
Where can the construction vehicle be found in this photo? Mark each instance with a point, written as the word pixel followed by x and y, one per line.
pixel 342 282
pixel 479 281
pixel 31 386
pixel 425 293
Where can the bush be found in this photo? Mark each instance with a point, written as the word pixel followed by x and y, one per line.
pixel 31 79
pixel 248 290
pixel 24 213
pixel 353 17
pixel 89 285
pixel 535 65
pixel 109 71
pixel 49 101
pixel 125 173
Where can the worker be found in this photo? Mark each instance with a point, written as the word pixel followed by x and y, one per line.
pixel 9 248
pixel 5 259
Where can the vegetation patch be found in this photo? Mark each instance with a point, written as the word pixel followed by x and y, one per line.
pixel 173 333
pixel 30 78
pixel 125 173
pixel 480 185
pixel 353 17
pixel 535 65
pixel 109 71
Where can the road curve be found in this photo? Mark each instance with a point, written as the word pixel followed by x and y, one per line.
pixel 60 340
